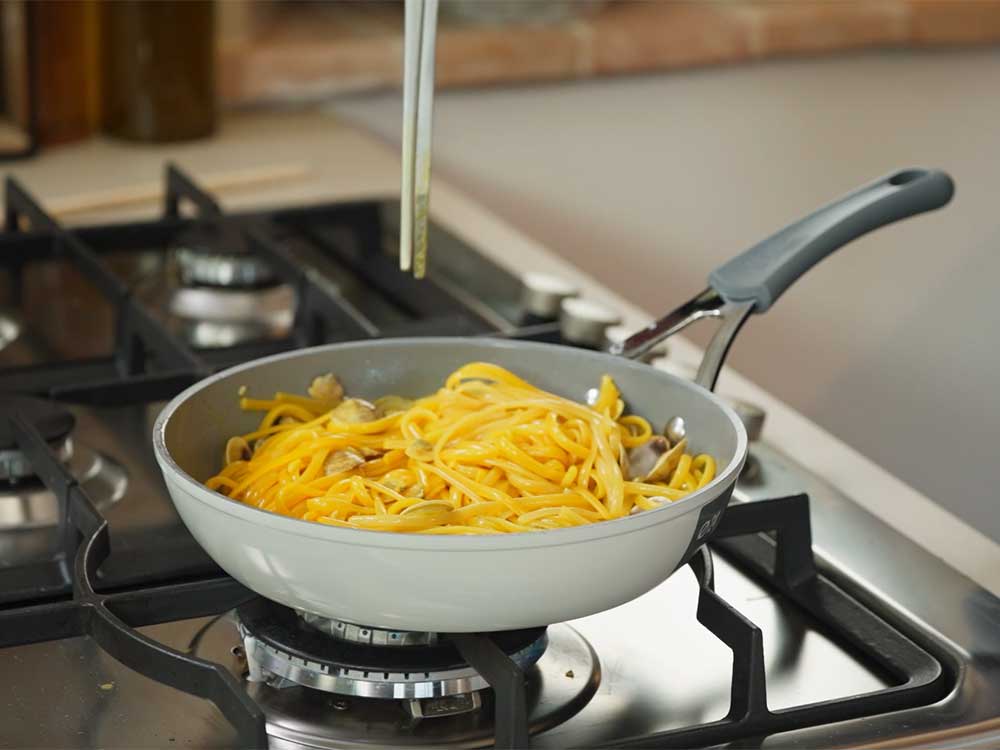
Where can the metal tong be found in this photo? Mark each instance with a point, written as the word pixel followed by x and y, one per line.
pixel 419 38
pixel 753 280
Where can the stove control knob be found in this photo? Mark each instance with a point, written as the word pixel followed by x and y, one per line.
pixel 752 417
pixel 542 293
pixel 586 323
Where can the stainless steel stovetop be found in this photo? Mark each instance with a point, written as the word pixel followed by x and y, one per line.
pixel 651 665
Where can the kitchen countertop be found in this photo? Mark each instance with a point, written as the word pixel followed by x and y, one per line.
pixel 308 51
pixel 343 162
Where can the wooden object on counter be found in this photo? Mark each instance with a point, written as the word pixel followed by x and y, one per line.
pixel 310 51
pixel 152 192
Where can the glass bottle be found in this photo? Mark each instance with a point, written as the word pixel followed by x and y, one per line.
pixel 159 69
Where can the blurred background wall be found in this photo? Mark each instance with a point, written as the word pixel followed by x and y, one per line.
pixel 649 182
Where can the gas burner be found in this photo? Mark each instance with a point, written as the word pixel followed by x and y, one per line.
pixel 54 423
pixel 283 650
pixel 228 295
pixel 561 680
pixel 24 501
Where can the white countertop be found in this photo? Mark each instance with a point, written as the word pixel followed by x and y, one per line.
pixel 343 162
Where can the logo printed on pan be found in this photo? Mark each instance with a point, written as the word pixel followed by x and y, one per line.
pixel 709 525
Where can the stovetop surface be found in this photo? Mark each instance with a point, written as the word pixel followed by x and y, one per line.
pixel 661 669
pixel 346 249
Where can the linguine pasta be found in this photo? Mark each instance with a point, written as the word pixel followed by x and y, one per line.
pixel 487 453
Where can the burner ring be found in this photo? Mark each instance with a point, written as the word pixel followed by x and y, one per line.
pixel 279 643
pixel 366 683
pixel 14 465
pixel 54 423
pixel 558 686
pixel 29 504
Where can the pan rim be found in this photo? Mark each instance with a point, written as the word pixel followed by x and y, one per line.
pixel 174 474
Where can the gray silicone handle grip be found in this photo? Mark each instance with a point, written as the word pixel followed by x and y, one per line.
pixel 767 269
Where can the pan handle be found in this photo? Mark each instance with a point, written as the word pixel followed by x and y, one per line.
pixel 752 281
pixel 766 270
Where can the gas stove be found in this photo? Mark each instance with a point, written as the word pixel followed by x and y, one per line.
pixel 804 622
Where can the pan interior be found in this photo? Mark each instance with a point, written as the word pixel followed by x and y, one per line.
pixel 205 416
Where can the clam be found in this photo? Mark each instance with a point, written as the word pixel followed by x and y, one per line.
pixel 327 389
pixel 237 450
pixel 342 460
pixel 655 460
pixel 666 463
pixel 642 458
pixel 354 411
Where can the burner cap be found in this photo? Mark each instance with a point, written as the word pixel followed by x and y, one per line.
pixel 217 254
pixel 54 421
pixel 346 631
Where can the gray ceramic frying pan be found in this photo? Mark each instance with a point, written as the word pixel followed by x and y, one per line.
pixel 477 583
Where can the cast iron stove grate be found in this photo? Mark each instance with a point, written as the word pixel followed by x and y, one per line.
pixel 786 562
pixel 150 362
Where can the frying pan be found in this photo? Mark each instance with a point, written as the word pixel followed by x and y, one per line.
pixel 506 581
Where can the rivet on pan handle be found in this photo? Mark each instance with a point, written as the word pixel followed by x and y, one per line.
pixel 754 280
